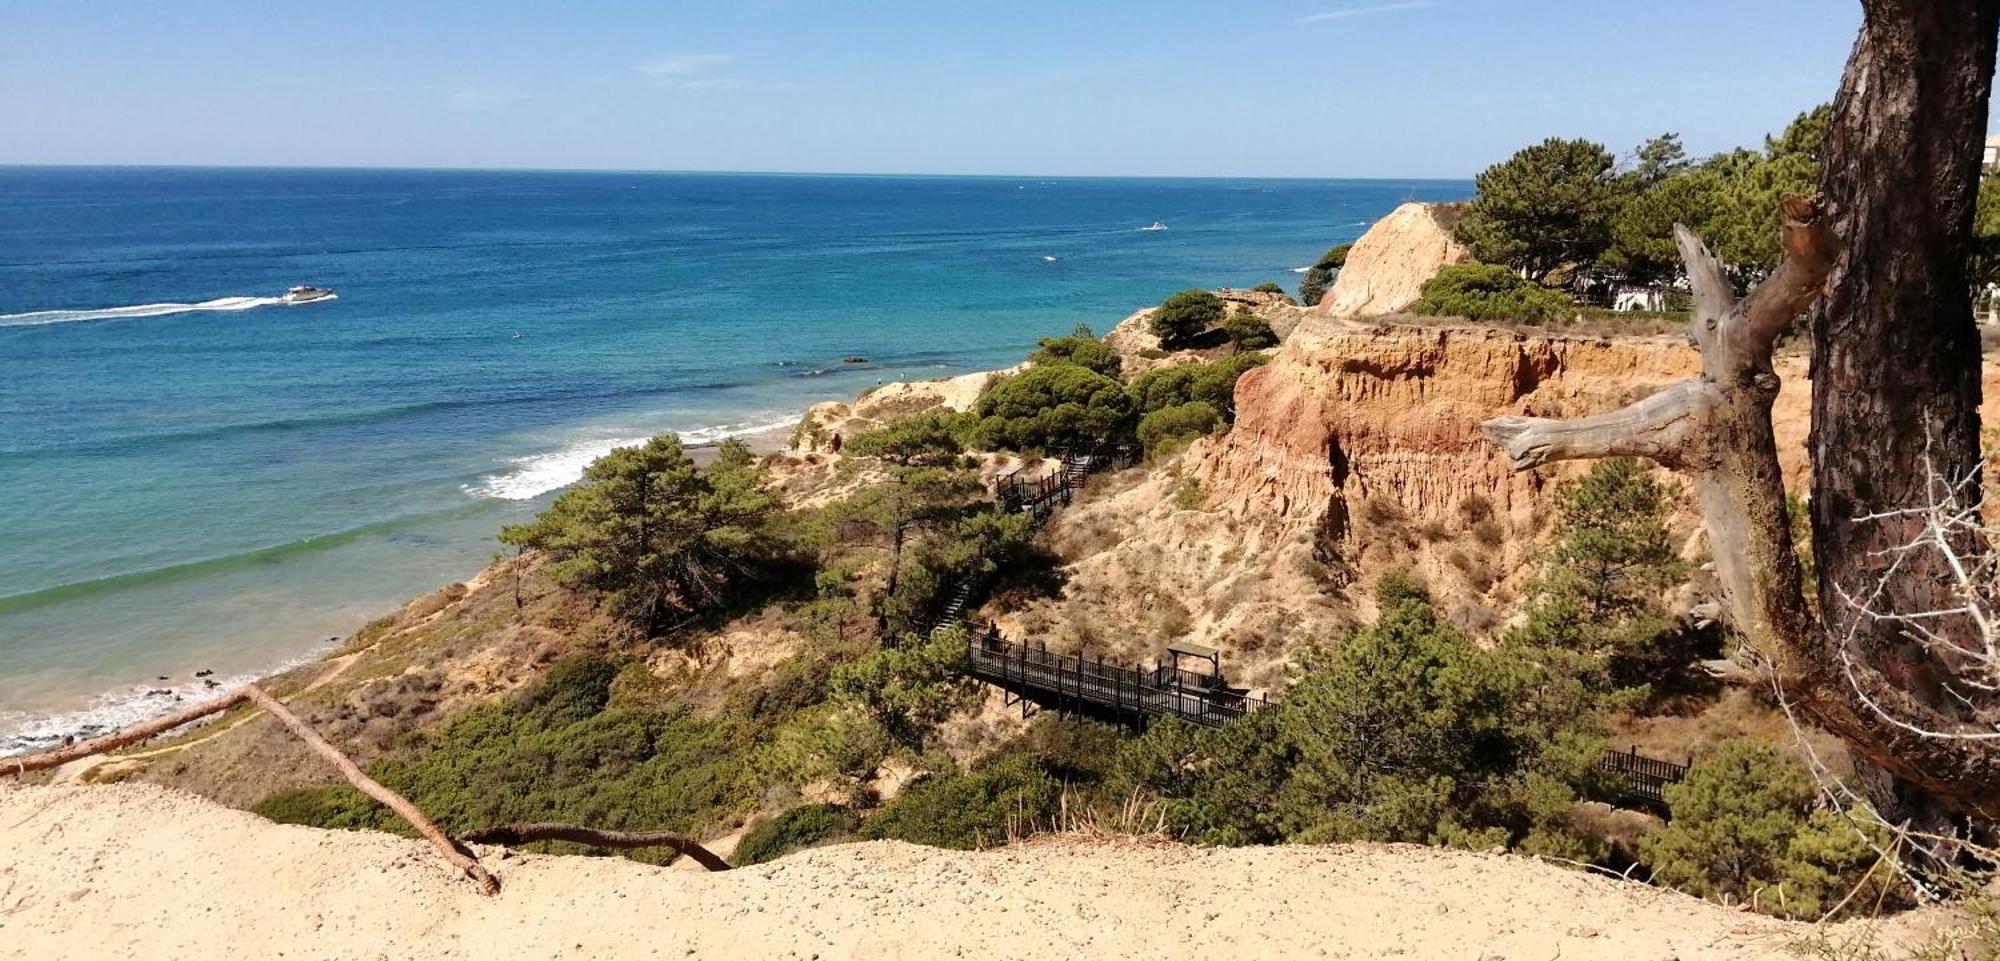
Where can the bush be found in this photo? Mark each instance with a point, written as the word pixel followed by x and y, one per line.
pixel 1268 287
pixel 1319 277
pixel 1744 827
pixel 929 438
pixel 1404 731
pixel 799 828
pixel 1187 315
pixel 1488 292
pixel 1249 332
pixel 539 757
pixel 912 687
pixel 1172 424
pixel 1213 384
pixel 1081 348
pixel 1410 732
pixel 971 810
pixel 1044 407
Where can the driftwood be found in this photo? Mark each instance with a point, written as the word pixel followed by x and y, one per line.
pixel 453 853
pixel 117 739
pixel 512 834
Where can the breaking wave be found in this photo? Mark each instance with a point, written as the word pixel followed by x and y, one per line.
pixel 538 474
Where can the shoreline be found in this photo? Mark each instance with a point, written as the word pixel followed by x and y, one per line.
pixel 122 705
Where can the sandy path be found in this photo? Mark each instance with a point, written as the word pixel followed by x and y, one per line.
pixel 134 871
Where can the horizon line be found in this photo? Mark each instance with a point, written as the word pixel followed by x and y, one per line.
pixel 700 172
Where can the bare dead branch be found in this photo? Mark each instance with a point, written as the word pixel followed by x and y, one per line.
pixel 1784 295
pixel 1714 297
pixel 452 853
pixel 117 739
pixel 513 834
pixel 1660 428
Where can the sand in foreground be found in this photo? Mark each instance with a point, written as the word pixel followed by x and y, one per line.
pixel 139 872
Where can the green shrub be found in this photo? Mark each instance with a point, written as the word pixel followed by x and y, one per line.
pixel 1044 407
pixel 1171 425
pixel 1249 332
pixel 1488 292
pixel 1081 348
pixel 799 828
pixel 1212 384
pixel 1268 287
pixel 1213 787
pixel 1403 731
pixel 576 688
pixel 1320 276
pixel 1408 731
pixel 1744 827
pixel 929 438
pixel 1187 315
pixel 534 758
pixel 912 687
pixel 972 810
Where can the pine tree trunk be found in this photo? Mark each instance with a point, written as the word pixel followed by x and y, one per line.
pixel 1896 353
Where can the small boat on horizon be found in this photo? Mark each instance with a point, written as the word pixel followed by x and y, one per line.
pixel 308 294
pixel 1156 226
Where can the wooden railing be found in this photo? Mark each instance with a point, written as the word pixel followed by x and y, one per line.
pixel 1074 682
pixel 1641 779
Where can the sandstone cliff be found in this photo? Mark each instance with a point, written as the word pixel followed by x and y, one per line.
pixel 1387 267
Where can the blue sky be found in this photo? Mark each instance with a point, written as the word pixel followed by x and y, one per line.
pixel 1307 88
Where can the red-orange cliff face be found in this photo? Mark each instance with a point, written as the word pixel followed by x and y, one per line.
pixel 1350 410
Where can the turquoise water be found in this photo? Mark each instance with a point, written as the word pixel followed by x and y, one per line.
pixel 198 476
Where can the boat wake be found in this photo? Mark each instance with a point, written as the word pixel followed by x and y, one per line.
pixel 36 318
pixel 539 474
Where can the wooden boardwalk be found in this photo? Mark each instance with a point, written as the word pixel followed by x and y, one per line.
pixel 1107 690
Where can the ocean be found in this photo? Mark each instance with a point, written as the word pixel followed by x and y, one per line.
pixel 198 476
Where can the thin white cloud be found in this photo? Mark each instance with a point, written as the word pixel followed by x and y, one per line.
pixel 1363 11
pixel 689 71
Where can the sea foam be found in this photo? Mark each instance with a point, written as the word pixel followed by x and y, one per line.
pixel 38 317
pixel 538 474
pixel 25 732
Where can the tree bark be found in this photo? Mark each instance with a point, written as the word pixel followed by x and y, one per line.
pixel 1896 352
pixel 525 833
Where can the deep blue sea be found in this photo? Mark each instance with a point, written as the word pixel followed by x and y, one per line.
pixel 196 476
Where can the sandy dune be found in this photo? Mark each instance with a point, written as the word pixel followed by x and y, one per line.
pixel 141 872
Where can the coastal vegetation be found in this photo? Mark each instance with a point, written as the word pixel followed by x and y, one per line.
pixel 659 537
pixel 1488 292
pixel 1567 214
pixel 1184 316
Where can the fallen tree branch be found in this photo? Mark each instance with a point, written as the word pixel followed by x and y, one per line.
pixel 117 739
pixel 453 854
pixel 513 834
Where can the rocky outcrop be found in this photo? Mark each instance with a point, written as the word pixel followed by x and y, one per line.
pixel 1348 411
pixel 1387 267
